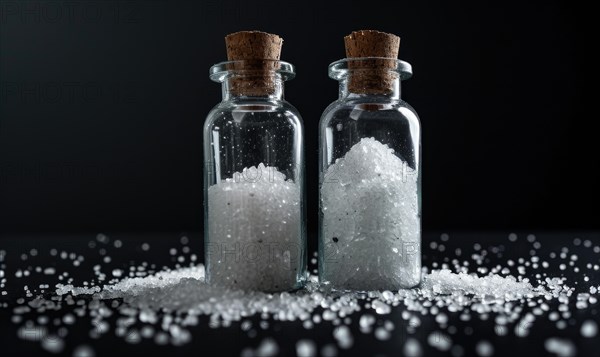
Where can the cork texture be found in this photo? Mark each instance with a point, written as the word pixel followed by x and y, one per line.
pixel 258 53
pixel 372 76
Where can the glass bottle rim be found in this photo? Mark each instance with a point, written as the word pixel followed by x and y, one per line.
pixel 223 70
pixel 339 69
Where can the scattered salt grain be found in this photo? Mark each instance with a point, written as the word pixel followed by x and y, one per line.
pixel 159 306
pixel 484 349
pixel 440 341
pixel 306 348
pixel 412 348
pixel 560 347
pixel 589 329
pixel 380 307
pixel 366 322
pixel 267 348
pixel 343 337
pixel 382 334
pixel 53 344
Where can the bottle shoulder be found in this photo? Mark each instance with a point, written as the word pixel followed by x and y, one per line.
pixel 366 108
pixel 253 111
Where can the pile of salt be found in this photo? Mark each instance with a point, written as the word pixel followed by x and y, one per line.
pixel 370 223
pixel 254 225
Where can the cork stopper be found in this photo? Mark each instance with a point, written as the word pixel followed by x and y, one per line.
pixel 259 52
pixel 372 76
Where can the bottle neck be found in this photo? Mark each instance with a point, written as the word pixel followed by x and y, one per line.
pixel 267 86
pixel 362 83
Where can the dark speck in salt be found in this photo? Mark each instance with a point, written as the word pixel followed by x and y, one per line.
pixel 251 194
pixel 335 239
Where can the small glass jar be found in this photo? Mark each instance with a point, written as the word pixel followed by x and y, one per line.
pixel 254 181
pixel 370 206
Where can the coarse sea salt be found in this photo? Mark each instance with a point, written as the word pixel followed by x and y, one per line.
pixel 163 306
pixel 184 291
pixel 255 236
pixel 370 220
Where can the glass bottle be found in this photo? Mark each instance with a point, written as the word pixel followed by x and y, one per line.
pixel 254 180
pixel 370 225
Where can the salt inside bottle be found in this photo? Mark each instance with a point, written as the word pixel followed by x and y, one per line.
pixel 254 172
pixel 370 210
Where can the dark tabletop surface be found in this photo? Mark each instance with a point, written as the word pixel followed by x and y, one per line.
pixel 232 340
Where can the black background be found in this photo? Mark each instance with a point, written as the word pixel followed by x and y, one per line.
pixel 102 105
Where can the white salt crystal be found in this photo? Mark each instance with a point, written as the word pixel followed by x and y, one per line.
pixel 255 231
pixel 343 337
pixel 267 348
pixel 414 322
pixel 382 334
pixel 179 336
pixel 589 329
pixel 329 315
pixel 389 325
pixel 441 318
pixel 306 348
pixel 560 347
pixel 66 289
pixel 69 319
pixel 147 332
pixel 133 337
pixel 440 341
pixel 32 333
pixel 484 349
pixel 147 315
pixel 387 295
pixel 371 225
pixel 161 338
pixel 53 344
pixel 445 282
pixel 365 322
pixel 380 307
pixel 412 348
pixel 501 330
